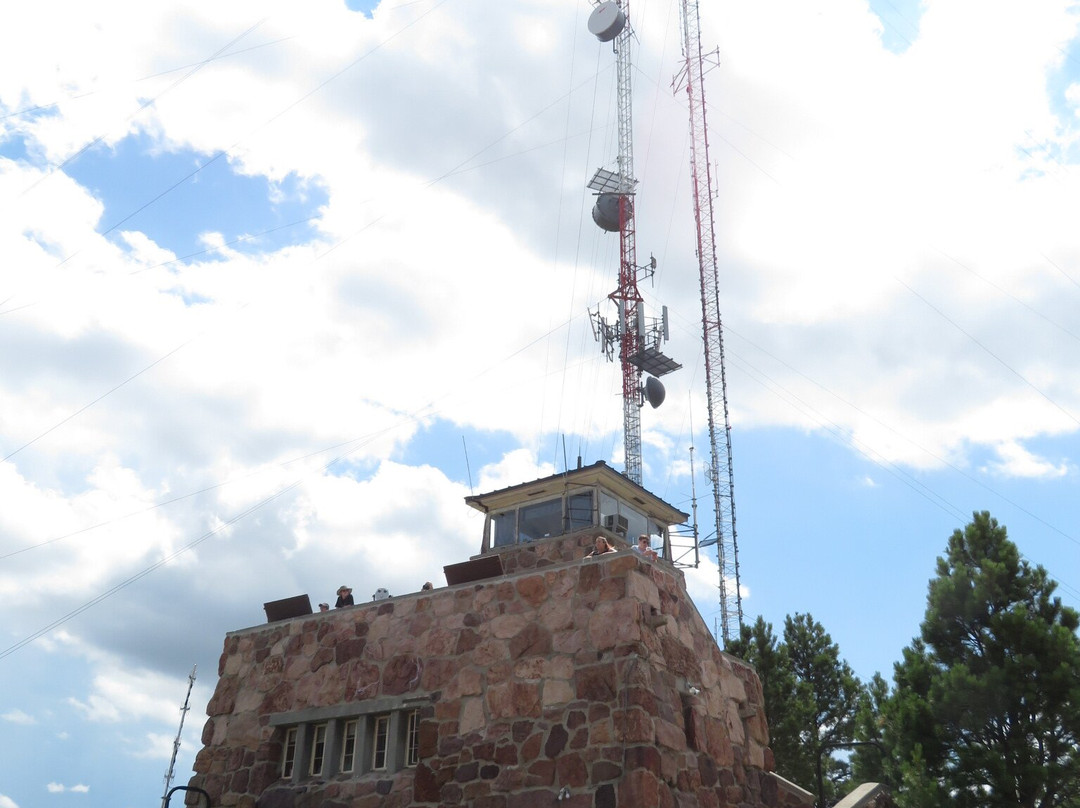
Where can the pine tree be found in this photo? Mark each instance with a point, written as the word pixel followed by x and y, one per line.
pixel 811 698
pixel 986 707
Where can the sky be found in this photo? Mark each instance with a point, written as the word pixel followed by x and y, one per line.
pixel 281 284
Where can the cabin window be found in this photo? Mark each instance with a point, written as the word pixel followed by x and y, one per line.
pixel 579 510
pixel 540 520
pixel 505 528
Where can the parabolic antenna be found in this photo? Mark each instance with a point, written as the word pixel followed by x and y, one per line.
pixel 606 212
pixel 654 392
pixel 607 21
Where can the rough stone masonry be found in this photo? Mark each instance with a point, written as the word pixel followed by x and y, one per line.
pixel 569 682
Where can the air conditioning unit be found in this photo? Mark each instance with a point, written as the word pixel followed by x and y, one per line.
pixel 617 524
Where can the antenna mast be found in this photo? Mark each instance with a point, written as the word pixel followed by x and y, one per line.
pixel 720 471
pixel 176 743
pixel 614 211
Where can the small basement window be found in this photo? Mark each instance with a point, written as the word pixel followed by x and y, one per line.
pixel 348 746
pixel 380 734
pixel 288 757
pixel 412 739
pixel 318 750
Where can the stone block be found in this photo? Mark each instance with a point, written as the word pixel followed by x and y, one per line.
pixel 224 699
pixel 530 750
pixel 506 626
pixel 571 771
pixel 349 649
pixel 634 726
pixel 596 683
pixel 556 741
pixel 532 640
pixel 468 682
pixel 557 691
pixel 639 787
pixel 402 674
pixel 605 770
pixel 569 641
pixel 472 715
pixel 533 589
pixel 467 640
pixel 435 675
pixel 490 651
pixel 540 773
pixel 506 754
pixel 670 735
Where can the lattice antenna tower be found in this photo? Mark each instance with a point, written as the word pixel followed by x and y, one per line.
pixel 638 339
pixel 176 744
pixel 720 471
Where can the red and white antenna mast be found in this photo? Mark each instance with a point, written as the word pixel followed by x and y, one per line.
pixel 638 341
pixel 720 471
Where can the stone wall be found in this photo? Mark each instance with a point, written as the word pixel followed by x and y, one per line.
pixel 594 678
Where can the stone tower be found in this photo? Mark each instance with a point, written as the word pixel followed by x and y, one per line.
pixel 536 677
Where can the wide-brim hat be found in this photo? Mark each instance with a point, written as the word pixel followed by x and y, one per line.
pixel 343 588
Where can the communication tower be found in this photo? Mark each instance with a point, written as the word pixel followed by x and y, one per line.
pixel 176 743
pixel 638 338
pixel 720 470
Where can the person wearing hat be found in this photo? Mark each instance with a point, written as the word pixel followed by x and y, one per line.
pixel 344 597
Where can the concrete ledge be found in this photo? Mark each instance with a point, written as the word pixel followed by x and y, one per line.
pixel 863 796
pixel 790 788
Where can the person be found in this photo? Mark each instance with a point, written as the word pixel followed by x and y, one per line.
pixel 600 546
pixel 427 585
pixel 644 547
pixel 344 597
pixel 324 607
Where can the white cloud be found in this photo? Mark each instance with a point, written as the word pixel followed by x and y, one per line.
pixel 60 788
pixel 1017 461
pixel 18 717
pixel 122 694
pixel 156 746
pixel 7 802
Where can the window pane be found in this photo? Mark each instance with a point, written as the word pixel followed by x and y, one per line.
pixel 380 731
pixel 540 520
pixel 348 747
pixel 609 507
pixel 637 522
pixel 318 749
pixel 579 510
pixel 289 756
pixel 504 528
pixel 412 739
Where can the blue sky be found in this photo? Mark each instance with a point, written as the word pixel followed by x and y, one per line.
pixel 205 193
pixel 285 370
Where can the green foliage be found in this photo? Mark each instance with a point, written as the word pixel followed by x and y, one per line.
pixel 758 645
pixel 811 698
pixel 986 706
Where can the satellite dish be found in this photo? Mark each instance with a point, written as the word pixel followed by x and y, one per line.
pixel 606 212
pixel 654 392
pixel 607 21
